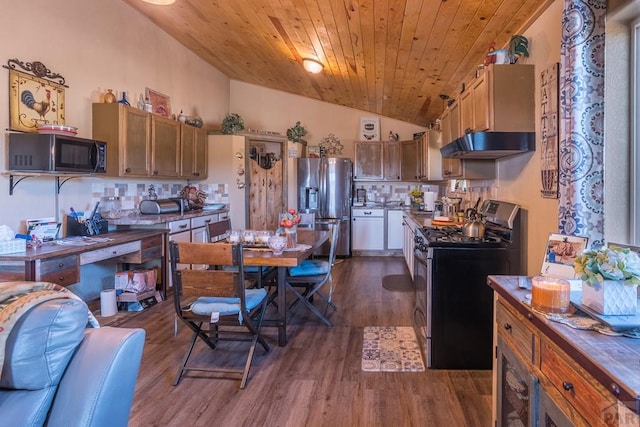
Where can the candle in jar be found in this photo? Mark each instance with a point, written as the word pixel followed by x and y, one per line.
pixel 550 295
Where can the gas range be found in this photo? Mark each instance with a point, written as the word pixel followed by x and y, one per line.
pixel 501 229
pixel 453 316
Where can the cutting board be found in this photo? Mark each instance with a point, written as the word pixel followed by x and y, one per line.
pixel 443 223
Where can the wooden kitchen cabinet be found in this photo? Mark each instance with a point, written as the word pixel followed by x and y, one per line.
pixel 165 147
pixel 127 132
pixel 550 374
pixel 141 144
pixel 379 161
pixel 501 99
pixel 392 165
pixel 431 165
pixel 368 161
pixel 411 162
pixel 194 152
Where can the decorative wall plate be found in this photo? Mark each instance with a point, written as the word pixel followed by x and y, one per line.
pixel 331 145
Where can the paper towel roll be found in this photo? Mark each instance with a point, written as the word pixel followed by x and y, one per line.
pixel 108 303
pixel 429 200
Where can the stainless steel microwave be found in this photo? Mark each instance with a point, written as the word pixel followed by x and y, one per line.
pixel 34 152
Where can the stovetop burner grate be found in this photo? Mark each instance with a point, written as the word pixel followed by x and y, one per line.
pixel 452 236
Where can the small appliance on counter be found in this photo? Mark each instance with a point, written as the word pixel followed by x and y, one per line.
pixel 160 206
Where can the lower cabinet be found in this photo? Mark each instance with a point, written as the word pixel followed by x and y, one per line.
pixel 408 242
pixel 539 384
pixel 188 230
pixel 395 235
pixel 367 231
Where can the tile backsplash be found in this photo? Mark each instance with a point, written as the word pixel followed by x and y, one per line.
pixel 132 193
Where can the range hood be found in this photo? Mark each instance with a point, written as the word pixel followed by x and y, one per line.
pixel 490 145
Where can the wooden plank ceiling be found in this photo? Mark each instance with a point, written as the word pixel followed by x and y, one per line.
pixel 389 57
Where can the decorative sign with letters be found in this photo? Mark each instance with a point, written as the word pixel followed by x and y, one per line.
pixel 369 129
pixel 549 101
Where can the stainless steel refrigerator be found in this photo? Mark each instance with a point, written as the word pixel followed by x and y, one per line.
pixel 324 189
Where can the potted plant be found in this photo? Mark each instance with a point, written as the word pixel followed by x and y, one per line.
pixel 518 46
pixel 610 279
pixel 232 123
pixel 296 133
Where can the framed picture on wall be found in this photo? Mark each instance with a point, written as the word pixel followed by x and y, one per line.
pixel 35 99
pixel 369 129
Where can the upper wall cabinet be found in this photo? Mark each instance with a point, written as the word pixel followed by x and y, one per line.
pixel 500 99
pixel 165 147
pixel 368 161
pixel 140 144
pixel 194 152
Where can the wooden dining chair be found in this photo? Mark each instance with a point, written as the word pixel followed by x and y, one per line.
pixel 215 304
pixel 307 280
pixel 260 276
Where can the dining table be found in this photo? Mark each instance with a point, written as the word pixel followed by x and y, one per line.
pixel 308 241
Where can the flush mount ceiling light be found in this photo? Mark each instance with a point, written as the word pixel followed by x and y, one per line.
pixel 312 66
pixel 160 2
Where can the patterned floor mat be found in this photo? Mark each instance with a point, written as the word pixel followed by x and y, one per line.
pixel 391 349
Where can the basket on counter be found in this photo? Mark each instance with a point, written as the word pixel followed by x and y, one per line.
pixel 11 246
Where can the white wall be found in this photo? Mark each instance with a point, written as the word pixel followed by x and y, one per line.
pixel 96 45
pixel 271 110
pixel 519 176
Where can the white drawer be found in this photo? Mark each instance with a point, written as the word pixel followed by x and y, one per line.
pixel 111 252
pixel 180 225
pixel 201 221
pixel 367 212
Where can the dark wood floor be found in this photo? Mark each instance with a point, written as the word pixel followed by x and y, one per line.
pixel 316 380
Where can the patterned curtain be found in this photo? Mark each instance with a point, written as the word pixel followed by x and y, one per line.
pixel 581 179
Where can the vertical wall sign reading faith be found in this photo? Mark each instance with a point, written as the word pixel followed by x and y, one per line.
pixel 549 104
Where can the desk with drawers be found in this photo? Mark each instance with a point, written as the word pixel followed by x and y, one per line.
pixel 61 262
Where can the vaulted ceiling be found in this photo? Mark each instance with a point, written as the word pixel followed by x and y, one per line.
pixel 389 57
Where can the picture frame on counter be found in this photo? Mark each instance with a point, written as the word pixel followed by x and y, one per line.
pixel 35 99
pixel 560 252
pixel 160 103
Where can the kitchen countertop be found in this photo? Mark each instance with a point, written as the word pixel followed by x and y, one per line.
pixel 163 218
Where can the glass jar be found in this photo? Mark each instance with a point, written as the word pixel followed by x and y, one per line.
pixel 550 295
pixel 111 208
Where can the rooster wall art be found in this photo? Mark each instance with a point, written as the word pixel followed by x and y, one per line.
pixel 41 107
pixel 34 102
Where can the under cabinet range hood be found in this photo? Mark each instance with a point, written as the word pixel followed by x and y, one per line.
pixel 490 145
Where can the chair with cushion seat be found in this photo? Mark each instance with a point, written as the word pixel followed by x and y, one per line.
pixel 201 296
pixel 312 276
pixel 216 231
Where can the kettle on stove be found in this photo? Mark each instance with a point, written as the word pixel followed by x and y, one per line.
pixel 474 227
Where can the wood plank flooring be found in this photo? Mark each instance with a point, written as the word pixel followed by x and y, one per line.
pixel 316 380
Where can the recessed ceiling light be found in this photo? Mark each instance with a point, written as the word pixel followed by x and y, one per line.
pixel 160 2
pixel 312 66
